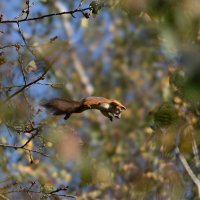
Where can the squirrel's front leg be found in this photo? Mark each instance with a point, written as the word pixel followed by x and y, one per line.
pixel 107 114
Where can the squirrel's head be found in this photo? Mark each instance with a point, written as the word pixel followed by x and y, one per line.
pixel 114 108
pixel 118 104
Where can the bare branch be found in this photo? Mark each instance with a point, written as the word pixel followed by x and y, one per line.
pixel 24 148
pixel 195 151
pixel 21 33
pixel 22 70
pixel 53 85
pixel 27 85
pixel 31 138
pixel 46 16
pixel 11 45
pixel 3 197
pixel 27 11
pixel 52 193
pixel 58 190
pixel 184 162
pixel 24 40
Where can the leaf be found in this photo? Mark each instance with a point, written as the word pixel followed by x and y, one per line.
pixel 96 7
pixel 165 115
pixel 31 67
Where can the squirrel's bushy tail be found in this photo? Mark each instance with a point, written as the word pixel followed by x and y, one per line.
pixel 62 106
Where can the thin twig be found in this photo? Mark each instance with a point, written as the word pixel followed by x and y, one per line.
pixel 24 148
pixel 31 138
pixel 45 84
pixel 49 194
pixel 22 70
pixel 184 162
pixel 80 4
pixel 27 11
pixel 34 54
pixel 11 45
pixel 195 151
pixel 58 190
pixel 46 16
pixel 27 85
pixel 3 197
pixel 18 45
pixel 24 40
pixel 21 33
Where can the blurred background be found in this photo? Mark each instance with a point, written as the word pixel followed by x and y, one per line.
pixel 144 54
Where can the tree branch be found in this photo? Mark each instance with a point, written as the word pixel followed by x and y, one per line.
pixel 3 197
pixel 185 164
pixel 46 16
pixel 24 148
pixel 52 193
pixel 22 70
pixel 195 151
pixel 58 190
pixel 27 85
pixel 27 11
pixel 31 138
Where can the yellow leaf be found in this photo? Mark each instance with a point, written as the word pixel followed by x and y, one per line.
pixel 84 23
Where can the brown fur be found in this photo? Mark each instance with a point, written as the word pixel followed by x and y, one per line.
pixel 108 108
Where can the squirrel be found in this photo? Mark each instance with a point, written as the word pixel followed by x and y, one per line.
pixel 109 108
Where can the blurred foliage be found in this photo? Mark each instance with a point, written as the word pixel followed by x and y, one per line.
pixel 144 54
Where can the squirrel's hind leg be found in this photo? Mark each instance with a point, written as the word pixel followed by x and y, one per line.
pixel 67 116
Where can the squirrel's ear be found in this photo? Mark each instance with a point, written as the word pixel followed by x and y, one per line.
pixel 118 104
pixel 123 107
